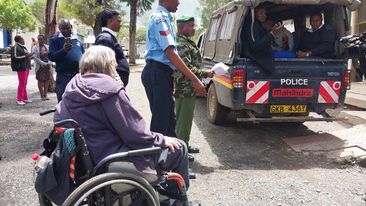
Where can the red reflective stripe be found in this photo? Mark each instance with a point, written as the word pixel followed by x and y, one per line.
pixel 255 97
pixel 164 33
pixel 324 93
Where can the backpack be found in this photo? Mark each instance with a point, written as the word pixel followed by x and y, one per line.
pixel 69 167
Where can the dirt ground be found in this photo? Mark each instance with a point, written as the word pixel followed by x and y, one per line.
pixel 239 164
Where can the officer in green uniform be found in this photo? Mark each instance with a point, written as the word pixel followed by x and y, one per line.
pixel 185 95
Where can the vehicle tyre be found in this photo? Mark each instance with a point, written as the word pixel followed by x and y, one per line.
pixel 110 188
pixel 216 113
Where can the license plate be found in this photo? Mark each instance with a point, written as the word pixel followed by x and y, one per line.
pixel 288 108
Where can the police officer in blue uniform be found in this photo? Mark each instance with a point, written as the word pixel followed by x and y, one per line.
pixel 161 60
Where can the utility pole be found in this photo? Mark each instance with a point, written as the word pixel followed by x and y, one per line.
pixel 354 30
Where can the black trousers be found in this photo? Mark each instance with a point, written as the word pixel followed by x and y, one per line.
pixel 158 82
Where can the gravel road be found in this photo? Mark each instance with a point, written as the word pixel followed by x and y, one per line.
pixel 239 164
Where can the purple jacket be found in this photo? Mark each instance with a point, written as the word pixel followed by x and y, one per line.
pixel 109 122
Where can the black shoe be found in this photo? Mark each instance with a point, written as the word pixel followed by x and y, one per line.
pixel 190 158
pixel 192 176
pixel 193 149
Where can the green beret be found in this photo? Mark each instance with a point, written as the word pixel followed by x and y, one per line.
pixel 184 19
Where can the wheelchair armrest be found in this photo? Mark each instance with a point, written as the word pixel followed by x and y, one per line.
pixel 141 152
pixel 118 156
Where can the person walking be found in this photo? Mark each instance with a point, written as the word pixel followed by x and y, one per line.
pixel 65 50
pixel 185 96
pixel 111 24
pixel 21 63
pixel 43 66
pixel 162 60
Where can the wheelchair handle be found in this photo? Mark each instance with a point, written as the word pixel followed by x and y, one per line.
pixel 117 156
pixel 66 121
pixel 47 112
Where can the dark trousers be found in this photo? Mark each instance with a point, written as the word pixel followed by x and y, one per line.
pixel 158 82
pixel 124 76
pixel 176 161
pixel 61 82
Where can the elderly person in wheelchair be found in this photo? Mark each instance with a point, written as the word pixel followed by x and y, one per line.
pixel 96 99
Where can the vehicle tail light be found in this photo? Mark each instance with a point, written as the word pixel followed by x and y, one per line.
pixel 237 77
pixel 346 81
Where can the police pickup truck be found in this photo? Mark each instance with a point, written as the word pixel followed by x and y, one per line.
pixel 296 87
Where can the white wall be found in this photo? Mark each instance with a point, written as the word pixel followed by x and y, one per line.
pixel 1 38
pixel 27 37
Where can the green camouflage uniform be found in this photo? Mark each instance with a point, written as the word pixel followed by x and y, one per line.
pixel 191 56
pixel 184 94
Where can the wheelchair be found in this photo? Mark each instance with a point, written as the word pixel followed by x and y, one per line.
pixel 112 181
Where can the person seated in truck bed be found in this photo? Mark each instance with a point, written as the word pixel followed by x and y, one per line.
pixel 282 44
pixel 257 41
pixel 319 40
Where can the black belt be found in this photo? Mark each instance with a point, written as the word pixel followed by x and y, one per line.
pixel 158 65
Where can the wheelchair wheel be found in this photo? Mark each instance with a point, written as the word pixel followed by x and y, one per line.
pixel 114 189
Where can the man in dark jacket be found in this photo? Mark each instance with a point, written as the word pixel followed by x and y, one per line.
pixel 66 50
pixel 319 40
pixel 111 23
pixel 257 41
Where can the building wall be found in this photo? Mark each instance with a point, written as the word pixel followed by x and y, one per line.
pixel 1 38
pixel 362 17
pixel 27 37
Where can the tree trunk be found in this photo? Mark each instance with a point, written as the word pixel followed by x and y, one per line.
pixel 50 29
pixel 97 28
pixel 50 18
pixel 133 17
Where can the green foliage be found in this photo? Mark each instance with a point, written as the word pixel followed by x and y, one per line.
pixel 83 10
pixel 38 10
pixel 16 15
pixel 124 31
pixel 64 10
pixel 141 34
pixel 143 5
pixel 208 6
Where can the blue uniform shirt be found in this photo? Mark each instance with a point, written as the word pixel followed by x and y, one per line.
pixel 160 34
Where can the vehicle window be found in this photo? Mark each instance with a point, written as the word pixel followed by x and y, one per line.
pixel 228 25
pixel 214 27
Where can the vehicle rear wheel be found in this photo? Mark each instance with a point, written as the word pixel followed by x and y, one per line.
pixel 216 113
